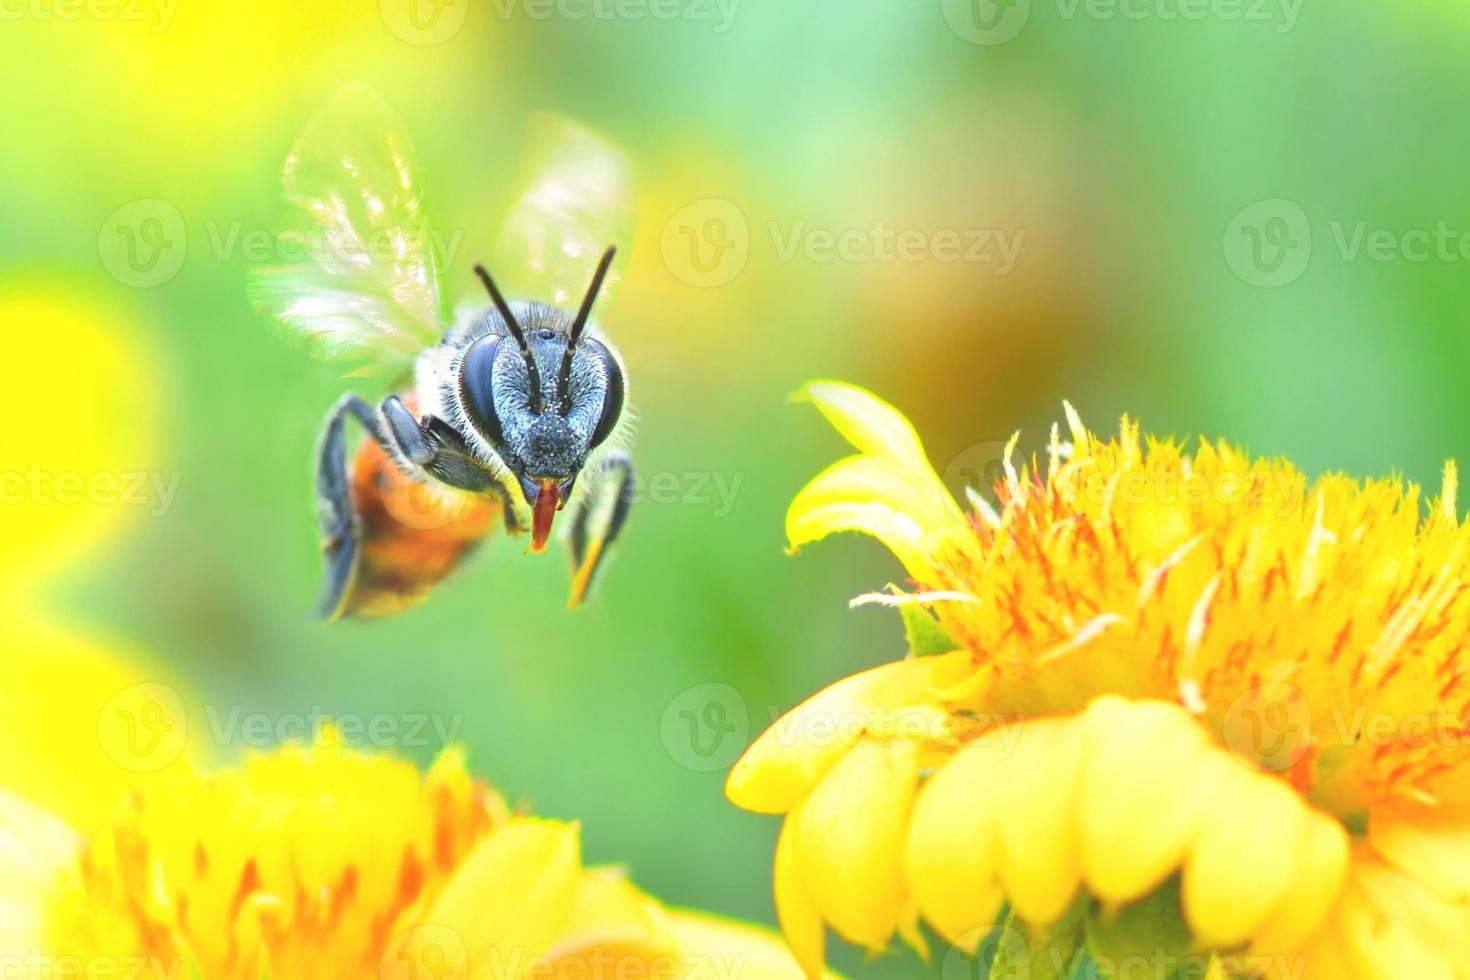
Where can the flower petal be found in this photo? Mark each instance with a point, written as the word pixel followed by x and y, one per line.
pixel 1140 771
pixel 34 848
pixel 1393 927
pixel 714 948
pixel 1429 847
pixel 868 422
pixel 1244 855
pixel 801 920
pixel 950 859
pixel 508 901
pixel 1318 874
pixel 851 867
pixel 790 757
pixel 1039 859
pixel 610 911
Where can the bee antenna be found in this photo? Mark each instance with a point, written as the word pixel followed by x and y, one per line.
pixel 564 377
pixel 515 331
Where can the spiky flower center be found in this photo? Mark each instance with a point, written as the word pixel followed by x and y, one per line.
pixel 1317 628
pixel 305 862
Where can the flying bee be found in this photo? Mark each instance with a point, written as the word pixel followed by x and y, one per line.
pixel 506 413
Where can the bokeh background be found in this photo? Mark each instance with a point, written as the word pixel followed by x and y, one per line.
pixel 1228 217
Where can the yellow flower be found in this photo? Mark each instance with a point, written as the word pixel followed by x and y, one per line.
pixel 1163 671
pixel 80 437
pixel 325 862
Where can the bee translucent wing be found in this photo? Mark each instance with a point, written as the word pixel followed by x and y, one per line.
pixel 359 273
pixel 577 200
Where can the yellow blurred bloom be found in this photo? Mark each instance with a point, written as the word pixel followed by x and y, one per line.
pixel 324 862
pixel 1198 671
pixel 75 455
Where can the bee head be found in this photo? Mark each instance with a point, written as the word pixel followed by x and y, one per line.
pixel 545 399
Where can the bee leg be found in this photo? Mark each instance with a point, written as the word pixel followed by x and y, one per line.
pixel 432 444
pixel 598 520
pixel 334 502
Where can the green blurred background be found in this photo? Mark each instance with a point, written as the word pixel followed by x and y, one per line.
pixel 1127 155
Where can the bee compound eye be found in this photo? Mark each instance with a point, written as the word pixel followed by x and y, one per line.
pixel 612 399
pixel 477 388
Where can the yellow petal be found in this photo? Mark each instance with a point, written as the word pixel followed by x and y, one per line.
pixel 790 757
pixel 1393 927
pixel 950 859
pixel 870 424
pixel 877 496
pixel 801 921
pixel 1431 848
pixel 610 911
pixel 35 848
pixel 1039 857
pixel 849 839
pixel 1139 776
pixel 713 948
pixel 503 908
pixel 889 491
pixel 1248 839
pixel 1318 874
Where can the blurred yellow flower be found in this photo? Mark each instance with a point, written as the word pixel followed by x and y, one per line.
pixel 1152 673
pixel 75 464
pixel 324 862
